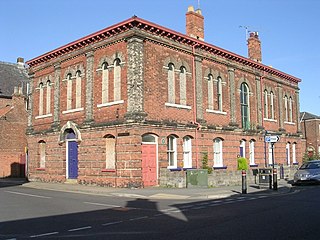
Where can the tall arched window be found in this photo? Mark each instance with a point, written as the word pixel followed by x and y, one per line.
pixel 172 151
pixel 286 108
pixel 217 153
pixel 48 98
pixel 105 83
pixel 41 99
pixel 42 154
pixel 266 112
pixel 78 89
pixel 288 153
pixel 187 152
pixel 290 109
pixel 69 92
pixel 210 92
pixel 183 86
pixel 244 103
pixel 251 153
pixel 110 141
pixel 219 94
pixel 294 158
pixel 271 105
pixel 171 84
pixel 117 80
pixel 242 150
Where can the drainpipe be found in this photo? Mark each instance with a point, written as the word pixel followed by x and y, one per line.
pixel 262 112
pixel 195 103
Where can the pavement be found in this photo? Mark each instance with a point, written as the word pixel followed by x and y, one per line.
pixel 284 187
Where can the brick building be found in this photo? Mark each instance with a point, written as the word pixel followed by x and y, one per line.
pixel 310 128
pixel 13 118
pixel 136 104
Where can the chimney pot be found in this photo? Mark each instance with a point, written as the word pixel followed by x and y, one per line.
pixel 194 23
pixel 254 47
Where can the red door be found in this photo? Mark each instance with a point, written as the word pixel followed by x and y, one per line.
pixel 149 164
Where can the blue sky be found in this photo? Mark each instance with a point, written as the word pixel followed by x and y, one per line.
pixel 288 29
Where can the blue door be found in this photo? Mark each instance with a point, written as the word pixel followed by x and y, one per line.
pixel 72 157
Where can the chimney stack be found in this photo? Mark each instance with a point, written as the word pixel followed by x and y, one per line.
pixel 20 62
pixel 254 47
pixel 194 23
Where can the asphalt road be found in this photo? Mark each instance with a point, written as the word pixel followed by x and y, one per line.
pixel 27 213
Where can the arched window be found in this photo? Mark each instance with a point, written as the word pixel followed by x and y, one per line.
pixel 48 98
pixel 183 86
pixel 110 142
pixel 69 91
pixel 148 138
pixel 78 89
pixel 290 109
pixel 172 151
pixel 171 84
pixel 210 92
pixel 219 94
pixel 271 105
pixel 288 153
pixel 242 150
pixel 251 152
pixel 187 152
pixel 294 158
pixel 105 83
pixel 266 112
pixel 217 153
pixel 244 103
pixel 286 108
pixel 41 99
pixel 42 154
pixel 117 80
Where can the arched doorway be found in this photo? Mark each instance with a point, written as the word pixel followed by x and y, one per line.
pixel 149 150
pixel 71 155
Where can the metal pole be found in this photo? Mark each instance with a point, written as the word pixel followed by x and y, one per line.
pixel 244 181
pixel 274 170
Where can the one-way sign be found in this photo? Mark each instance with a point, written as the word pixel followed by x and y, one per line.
pixel 271 139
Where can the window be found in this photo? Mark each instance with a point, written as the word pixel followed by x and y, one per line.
pixel 69 92
pixel 294 157
pixel 110 152
pixel 105 83
pixel 187 152
pixel 286 108
pixel 244 103
pixel 172 151
pixel 171 84
pixel 210 92
pixel 288 153
pixel 242 150
pixel 270 155
pixel 271 105
pixel 219 94
pixel 78 89
pixel 266 115
pixel 117 80
pixel 217 153
pixel 41 99
pixel 48 98
pixel 183 86
pixel 251 152
pixel 42 154
pixel 290 109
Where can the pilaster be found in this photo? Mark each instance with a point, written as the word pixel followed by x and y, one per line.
pixel 56 96
pixel 89 87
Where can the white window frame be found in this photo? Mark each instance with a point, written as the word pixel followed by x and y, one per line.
pixel 210 92
pixel 171 84
pixel 251 152
pixel 288 153
pixel 105 83
pixel 172 142
pixel 78 90
pixel 183 85
pixel 272 105
pixel 219 93
pixel 294 156
pixel 117 80
pixel 243 147
pixel 187 152
pixel 41 88
pixel 217 153
pixel 266 106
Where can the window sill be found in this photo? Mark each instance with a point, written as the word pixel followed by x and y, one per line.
pixel 290 123
pixel 253 165
pixel 216 111
pixel 72 110
pixel 217 168
pixel 108 170
pixel 295 163
pixel 40 169
pixel 174 169
pixel 110 103
pixel 177 106
pixel 44 116
pixel 269 120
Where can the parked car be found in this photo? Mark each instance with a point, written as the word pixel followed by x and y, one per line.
pixel 308 172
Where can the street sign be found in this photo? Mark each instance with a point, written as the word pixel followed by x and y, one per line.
pixel 271 139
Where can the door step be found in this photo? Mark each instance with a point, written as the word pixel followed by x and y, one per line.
pixel 71 181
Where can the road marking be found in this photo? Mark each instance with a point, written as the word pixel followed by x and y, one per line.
pixel 79 229
pixel 44 234
pixel 102 204
pixel 138 218
pixel 28 195
pixel 111 223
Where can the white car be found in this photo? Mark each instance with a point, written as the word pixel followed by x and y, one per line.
pixel 308 172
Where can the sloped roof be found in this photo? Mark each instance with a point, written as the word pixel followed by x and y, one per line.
pixel 5 110
pixel 12 75
pixel 308 116
pixel 152 28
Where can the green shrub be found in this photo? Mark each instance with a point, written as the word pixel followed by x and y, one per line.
pixel 205 162
pixel 242 163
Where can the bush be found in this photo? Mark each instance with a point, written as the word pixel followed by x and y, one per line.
pixel 242 163
pixel 307 157
pixel 205 163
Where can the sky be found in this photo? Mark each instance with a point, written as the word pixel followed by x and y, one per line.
pixel 289 30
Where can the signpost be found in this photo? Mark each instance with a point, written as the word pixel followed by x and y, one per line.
pixel 273 139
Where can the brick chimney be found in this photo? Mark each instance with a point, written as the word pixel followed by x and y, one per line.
pixel 194 23
pixel 20 62
pixel 254 47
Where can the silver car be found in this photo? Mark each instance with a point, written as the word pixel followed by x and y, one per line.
pixel 308 172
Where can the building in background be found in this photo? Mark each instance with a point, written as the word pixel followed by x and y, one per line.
pixel 13 118
pixel 310 127
pixel 136 104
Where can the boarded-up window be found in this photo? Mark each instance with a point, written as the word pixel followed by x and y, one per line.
pixel 110 152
